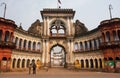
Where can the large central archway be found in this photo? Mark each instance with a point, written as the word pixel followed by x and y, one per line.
pixel 57 56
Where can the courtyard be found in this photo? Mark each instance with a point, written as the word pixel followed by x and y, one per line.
pixel 59 73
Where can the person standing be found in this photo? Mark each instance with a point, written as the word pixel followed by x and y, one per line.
pixel 34 68
pixel 30 67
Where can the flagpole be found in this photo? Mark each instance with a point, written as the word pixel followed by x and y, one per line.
pixel 110 8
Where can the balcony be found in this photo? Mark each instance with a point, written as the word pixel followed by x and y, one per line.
pixel 111 44
pixel 8 44
pixel 56 35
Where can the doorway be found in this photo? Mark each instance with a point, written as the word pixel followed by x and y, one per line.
pixel 57 56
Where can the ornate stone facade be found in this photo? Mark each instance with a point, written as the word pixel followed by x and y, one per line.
pixel 58 29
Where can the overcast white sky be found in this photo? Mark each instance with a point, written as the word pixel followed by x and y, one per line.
pixel 90 12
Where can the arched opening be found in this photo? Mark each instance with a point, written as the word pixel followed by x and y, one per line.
pixel 16 41
pixel 107 36
pixel 100 61
pixel 82 63
pixel 90 45
pixel 34 45
pixel 76 46
pixel 57 28
pixel 13 64
pixel 87 63
pixel 7 35
pixel 95 44
pixel 115 35
pixel 81 46
pixel 58 56
pixel 28 63
pixel 91 62
pixel 20 44
pixel 86 46
pixel 29 45
pixel 23 63
pixel 96 63
pixel 18 63
pixel 24 44
pixel 38 46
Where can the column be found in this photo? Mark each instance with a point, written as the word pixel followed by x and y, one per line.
pixel 89 63
pixel 103 64
pixel 68 22
pixel 44 21
pixel 48 30
pixel 47 52
pixel 72 31
pixel 84 63
pixel 98 63
pixel 71 51
pixel 94 65
pixel 43 54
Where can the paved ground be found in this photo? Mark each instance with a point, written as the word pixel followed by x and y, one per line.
pixel 60 73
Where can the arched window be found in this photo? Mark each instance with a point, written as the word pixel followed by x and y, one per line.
pixel 86 46
pixel 1 35
pixel 24 45
pixel 11 36
pixel 107 36
pixel 20 43
pixel 81 46
pixel 16 41
pixel 34 45
pixel 38 46
pixel 28 63
pixel 115 35
pixel 90 45
pixel 76 46
pixel 7 35
pixel 95 44
pixel 29 45
pixel 57 28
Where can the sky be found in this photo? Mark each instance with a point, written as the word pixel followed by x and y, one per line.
pixel 89 12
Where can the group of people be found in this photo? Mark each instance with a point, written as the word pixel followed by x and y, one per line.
pixel 32 67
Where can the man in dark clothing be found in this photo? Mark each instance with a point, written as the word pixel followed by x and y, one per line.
pixel 34 68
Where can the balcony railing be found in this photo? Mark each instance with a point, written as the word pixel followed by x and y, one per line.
pixel 8 44
pixel 110 44
pixel 57 35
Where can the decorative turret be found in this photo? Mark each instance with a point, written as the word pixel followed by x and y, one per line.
pixel 6 42
pixel 110 30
